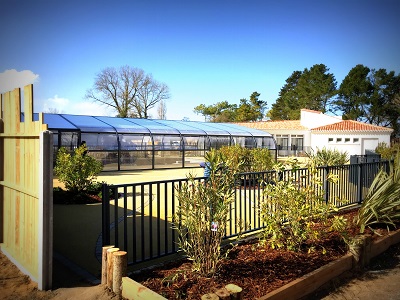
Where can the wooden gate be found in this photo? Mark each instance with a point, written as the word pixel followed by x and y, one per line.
pixel 26 182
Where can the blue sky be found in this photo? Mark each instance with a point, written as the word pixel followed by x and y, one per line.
pixel 205 51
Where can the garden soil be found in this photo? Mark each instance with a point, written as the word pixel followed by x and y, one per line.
pixel 379 281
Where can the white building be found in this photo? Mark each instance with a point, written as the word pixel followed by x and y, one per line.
pixel 316 130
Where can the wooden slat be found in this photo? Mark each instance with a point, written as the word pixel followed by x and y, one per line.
pixel 19 182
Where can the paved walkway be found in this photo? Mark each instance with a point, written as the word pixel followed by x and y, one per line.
pixel 380 280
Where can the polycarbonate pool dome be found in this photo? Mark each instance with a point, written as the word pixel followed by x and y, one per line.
pixel 131 144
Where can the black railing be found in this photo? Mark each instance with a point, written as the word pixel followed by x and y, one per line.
pixel 137 217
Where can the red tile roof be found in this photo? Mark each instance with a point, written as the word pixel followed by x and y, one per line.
pixel 268 125
pixel 349 125
pixel 346 125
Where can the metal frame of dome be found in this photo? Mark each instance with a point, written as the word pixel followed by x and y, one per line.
pixel 132 144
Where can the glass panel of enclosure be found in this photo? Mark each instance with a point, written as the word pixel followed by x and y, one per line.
pixel 244 141
pixel 194 142
pixel 266 142
pixel 100 141
pixel 136 160
pixel 194 150
pixel 172 142
pixel 67 140
pixel 217 142
pixel 135 142
pixel 103 147
pixel 168 159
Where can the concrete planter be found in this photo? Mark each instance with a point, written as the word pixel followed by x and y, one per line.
pixel 365 250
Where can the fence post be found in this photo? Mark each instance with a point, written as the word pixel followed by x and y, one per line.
pixel 326 183
pixel 105 208
pixel 45 249
pixel 359 182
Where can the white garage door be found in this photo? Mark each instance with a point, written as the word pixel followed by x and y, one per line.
pixel 369 145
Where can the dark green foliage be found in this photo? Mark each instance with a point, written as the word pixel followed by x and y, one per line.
pixel 328 157
pixel 382 203
pixel 294 212
pixel 248 160
pixel 252 110
pixel 311 89
pixel 77 171
pixel 202 214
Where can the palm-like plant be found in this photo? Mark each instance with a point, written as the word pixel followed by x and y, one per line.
pixel 328 157
pixel 382 203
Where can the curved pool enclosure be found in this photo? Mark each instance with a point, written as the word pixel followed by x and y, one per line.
pixel 132 144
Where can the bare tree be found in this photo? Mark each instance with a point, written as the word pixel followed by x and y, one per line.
pixel 130 91
pixel 162 110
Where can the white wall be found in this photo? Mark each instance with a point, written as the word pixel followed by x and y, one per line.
pixel 311 119
pixel 354 144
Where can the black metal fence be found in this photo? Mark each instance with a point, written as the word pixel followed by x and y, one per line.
pixel 137 217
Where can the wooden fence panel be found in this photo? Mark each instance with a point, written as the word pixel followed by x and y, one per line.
pixel 22 192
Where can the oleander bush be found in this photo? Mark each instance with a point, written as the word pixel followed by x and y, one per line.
pixel 291 211
pixel 202 215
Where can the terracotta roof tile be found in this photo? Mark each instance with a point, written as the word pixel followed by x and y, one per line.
pixel 268 125
pixel 349 125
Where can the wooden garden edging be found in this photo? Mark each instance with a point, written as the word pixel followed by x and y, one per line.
pixel 300 287
pixel 312 281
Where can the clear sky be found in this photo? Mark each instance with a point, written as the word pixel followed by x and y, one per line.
pixel 206 51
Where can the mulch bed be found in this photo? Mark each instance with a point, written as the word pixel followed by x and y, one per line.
pixel 256 269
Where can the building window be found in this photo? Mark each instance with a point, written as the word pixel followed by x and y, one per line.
pixel 297 142
pixel 282 141
pixel 330 140
pixel 338 140
pixel 347 140
pixel 355 140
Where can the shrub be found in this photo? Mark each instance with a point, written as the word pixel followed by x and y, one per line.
pixel 248 160
pixel 328 157
pixel 262 159
pixel 292 210
pixel 76 171
pixel 387 152
pixel 382 203
pixel 202 214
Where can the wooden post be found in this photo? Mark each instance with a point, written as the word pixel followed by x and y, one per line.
pixel 209 296
pixel 223 294
pixel 119 270
pixel 110 262
pixel 104 264
pixel 235 291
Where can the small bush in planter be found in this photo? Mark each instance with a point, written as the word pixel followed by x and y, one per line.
pixel 77 171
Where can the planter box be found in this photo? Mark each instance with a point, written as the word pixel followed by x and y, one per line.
pixel 300 287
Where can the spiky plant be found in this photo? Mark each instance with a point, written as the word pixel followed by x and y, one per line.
pixel 382 203
pixel 328 157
